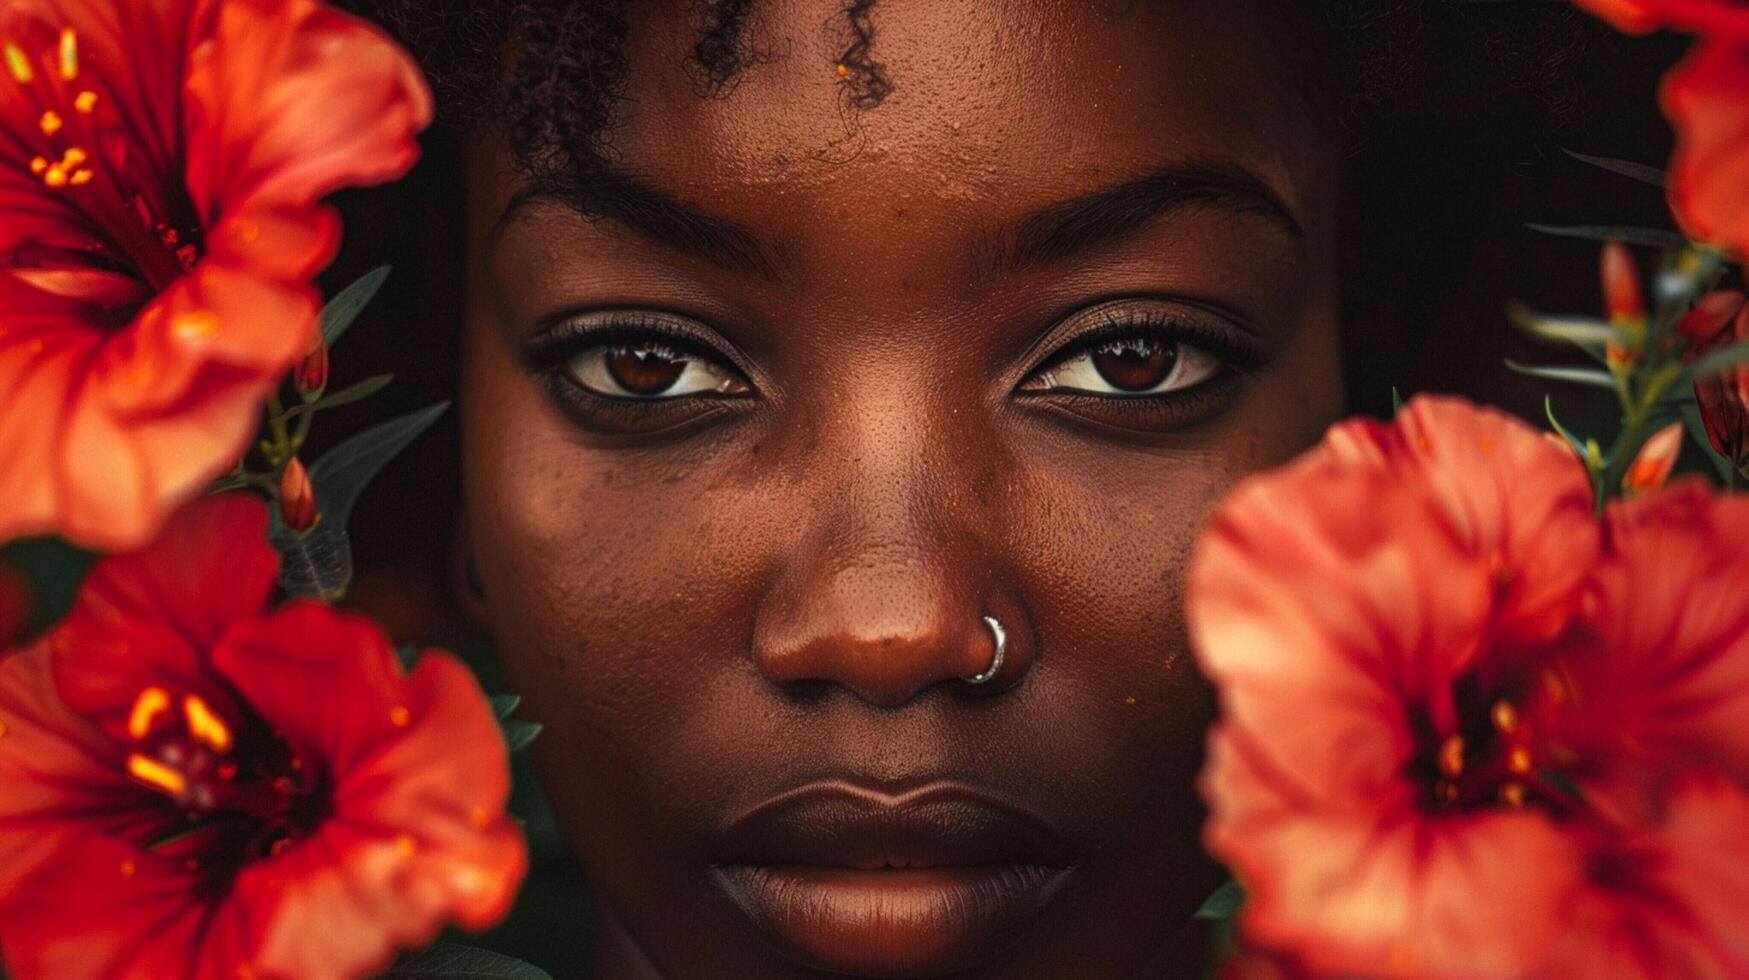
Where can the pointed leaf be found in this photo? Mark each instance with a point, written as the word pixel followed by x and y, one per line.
pixel 504 704
pixel 453 961
pixel 1586 332
pixel 1549 410
pixel 1396 400
pixel 1224 903
pixel 1627 168
pixel 518 734
pixel 346 305
pixel 1647 237
pixel 1570 375
pixel 344 471
pixel 345 396
pixel 1721 360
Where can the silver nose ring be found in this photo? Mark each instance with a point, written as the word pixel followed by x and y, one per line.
pixel 1000 635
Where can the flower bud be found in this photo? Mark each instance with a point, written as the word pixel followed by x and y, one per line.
pixel 1624 302
pixel 311 376
pixel 1621 285
pixel 297 498
pixel 1653 464
pixel 1718 320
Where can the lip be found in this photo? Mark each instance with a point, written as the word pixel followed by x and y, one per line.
pixel 858 880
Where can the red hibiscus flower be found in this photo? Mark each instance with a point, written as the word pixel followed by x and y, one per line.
pixel 161 171
pixel 1703 98
pixel 1468 729
pixel 222 790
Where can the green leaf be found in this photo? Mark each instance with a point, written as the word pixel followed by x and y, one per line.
pixel 504 704
pixel 1626 168
pixel 1587 333
pixel 1224 903
pixel 343 472
pixel 345 396
pixel 346 305
pixel 1555 423
pixel 1396 400
pixel 518 734
pixel 1721 360
pixel 1627 235
pixel 1570 375
pixel 454 961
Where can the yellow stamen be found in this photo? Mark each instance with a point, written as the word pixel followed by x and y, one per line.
pixel 1451 755
pixel 69 55
pixel 205 725
pixel 843 70
pixel 38 165
pixel 400 717
pixel 18 64
pixel 80 178
pixel 85 102
pixel 74 156
pixel 157 775
pixel 1512 794
pixel 50 123
pixel 56 177
pixel 151 703
pixel 1518 759
pixel 1505 718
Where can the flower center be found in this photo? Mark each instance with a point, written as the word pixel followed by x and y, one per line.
pixel 1497 756
pixel 77 145
pixel 213 765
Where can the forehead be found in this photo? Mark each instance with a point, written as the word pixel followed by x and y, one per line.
pixel 1003 104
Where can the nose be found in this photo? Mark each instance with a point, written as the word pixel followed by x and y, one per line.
pixel 886 595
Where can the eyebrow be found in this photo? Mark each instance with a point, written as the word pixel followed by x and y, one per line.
pixel 1054 232
pixel 656 215
pixel 1066 228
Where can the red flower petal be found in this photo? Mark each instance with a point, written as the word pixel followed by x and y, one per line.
pixel 1709 172
pixel 130 390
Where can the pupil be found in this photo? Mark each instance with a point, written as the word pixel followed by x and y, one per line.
pixel 645 370
pixel 1135 365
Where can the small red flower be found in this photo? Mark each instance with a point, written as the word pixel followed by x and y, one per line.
pixel 1718 320
pixel 1460 714
pixel 199 787
pixel 311 376
pixel 1703 99
pixel 162 166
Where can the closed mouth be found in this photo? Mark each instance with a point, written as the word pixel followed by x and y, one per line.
pixel 858 881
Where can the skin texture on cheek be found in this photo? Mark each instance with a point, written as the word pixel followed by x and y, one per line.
pixel 781 591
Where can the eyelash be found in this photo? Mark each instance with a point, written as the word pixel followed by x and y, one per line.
pixel 553 349
pixel 1236 357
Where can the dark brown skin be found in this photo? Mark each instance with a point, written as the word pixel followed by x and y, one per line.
pixel 711 601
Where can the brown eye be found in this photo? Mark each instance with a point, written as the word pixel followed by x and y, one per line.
pixel 645 371
pixel 1130 367
pixel 651 371
pixel 1136 365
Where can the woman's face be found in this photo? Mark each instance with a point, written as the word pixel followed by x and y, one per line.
pixel 749 460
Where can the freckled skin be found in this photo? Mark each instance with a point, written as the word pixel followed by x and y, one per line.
pixel 785 588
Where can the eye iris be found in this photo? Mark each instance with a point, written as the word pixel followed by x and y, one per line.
pixel 1135 365
pixel 645 370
